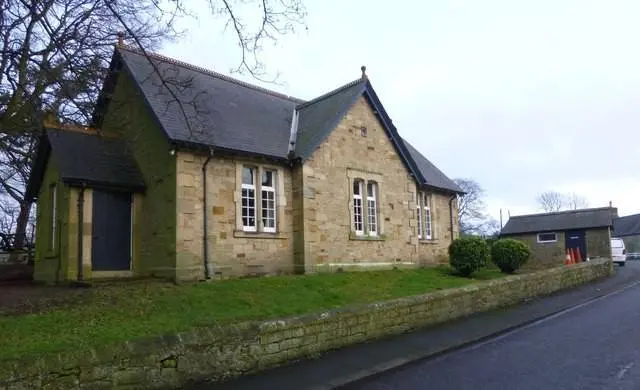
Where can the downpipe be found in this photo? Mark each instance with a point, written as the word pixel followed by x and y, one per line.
pixel 205 219
pixel 451 215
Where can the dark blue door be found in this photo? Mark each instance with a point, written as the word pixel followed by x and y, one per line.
pixel 111 242
pixel 576 239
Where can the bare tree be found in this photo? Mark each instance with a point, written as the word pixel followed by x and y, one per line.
pixel 551 201
pixel 575 201
pixel 7 217
pixel 16 151
pixel 471 206
pixel 55 55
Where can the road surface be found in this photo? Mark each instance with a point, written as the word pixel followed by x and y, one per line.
pixel 592 346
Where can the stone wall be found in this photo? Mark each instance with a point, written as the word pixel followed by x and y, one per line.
pixel 60 263
pixel 325 195
pixel 598 242
pixel 219 353
pixel 544 254
pixel 128 115
pixel 232 251
pixel 70 272
pixel 171 237
pixel 49 262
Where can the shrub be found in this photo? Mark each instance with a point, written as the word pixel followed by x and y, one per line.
pixel 490 241
pixel 468 254
pixel 509 254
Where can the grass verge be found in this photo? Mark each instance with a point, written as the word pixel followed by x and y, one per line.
pixel 108 314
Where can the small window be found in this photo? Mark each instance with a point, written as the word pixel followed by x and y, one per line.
pixel 358 223
pixel 547 237
pixel 268 201
pixel 427 223
pixel 419 216
pixel 363 131
pixel 372 208
pixel 257 207
pixel 423 209
pixel 248 199
pixel 247 175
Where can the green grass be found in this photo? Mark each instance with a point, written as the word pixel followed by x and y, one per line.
pixel 107 314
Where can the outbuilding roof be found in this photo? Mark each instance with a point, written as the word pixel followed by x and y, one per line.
pixel 561 220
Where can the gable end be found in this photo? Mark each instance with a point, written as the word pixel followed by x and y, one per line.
pixel 338 103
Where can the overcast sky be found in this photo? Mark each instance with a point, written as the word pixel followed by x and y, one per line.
pixel 521 96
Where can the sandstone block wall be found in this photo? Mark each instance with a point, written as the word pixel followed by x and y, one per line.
pixel 219 353
pixel 316 196
pixel 232 252
pixel 325 195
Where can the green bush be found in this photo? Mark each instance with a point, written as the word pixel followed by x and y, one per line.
pixel 468 254
pixel 490 241
pixel 509 254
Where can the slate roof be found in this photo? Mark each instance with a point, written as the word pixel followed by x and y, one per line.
pixel 559 221
pixel 228 114
pixel 318 117
pixel 86 158
pixel 235 116
pixel 432 175
pixel 626 226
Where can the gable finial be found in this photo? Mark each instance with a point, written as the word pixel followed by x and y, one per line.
pixel 364 72
pixel 120 38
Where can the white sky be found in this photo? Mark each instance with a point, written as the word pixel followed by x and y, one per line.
pixel 522 96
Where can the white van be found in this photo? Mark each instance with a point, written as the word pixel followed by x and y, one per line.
pixel 618 251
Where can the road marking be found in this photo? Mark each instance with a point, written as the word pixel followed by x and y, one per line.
pixel 447 354
pixel 624 370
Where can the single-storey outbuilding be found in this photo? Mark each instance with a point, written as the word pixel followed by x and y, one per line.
pixel 549 235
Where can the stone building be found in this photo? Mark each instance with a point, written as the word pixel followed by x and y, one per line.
pixel 549 235
pixel 189 175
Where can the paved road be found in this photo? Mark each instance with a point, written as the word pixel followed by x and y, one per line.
pixel 592 346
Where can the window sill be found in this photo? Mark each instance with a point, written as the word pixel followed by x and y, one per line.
pixel 365 237
pixel 431 241
pixel 276 236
